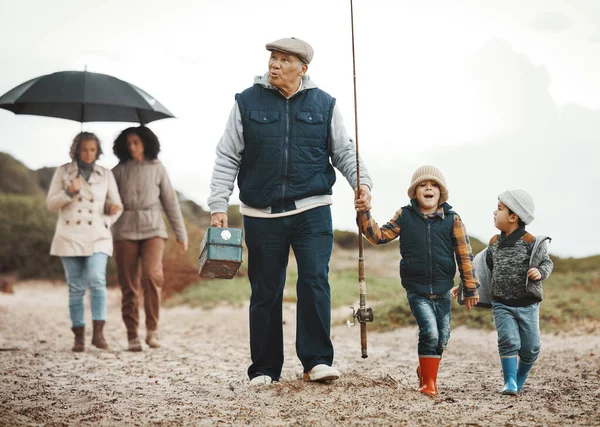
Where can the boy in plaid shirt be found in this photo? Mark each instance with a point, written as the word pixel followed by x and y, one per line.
pixel 431 237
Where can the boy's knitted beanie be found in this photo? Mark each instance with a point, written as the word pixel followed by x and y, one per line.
pixel 520 202
pixel 428 173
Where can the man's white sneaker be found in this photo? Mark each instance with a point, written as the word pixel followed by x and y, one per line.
pixel 322 372
pixel 261 380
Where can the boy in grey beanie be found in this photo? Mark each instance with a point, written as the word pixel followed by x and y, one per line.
pixel 518 262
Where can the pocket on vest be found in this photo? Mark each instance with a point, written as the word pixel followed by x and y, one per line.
pixel 447 267
pixel 311 125
pixel 413 269
pixel 314 186
pixel 268 120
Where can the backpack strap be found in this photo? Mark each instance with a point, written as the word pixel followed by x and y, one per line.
pixel 494 239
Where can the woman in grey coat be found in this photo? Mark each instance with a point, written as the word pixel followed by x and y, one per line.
pixel 86 198
pixel 140 233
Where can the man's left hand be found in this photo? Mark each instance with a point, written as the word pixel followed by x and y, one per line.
pixel 363 202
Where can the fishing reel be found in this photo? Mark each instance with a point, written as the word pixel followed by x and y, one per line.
pixel 363 315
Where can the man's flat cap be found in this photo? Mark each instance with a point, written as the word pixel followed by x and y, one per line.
pixel 293 46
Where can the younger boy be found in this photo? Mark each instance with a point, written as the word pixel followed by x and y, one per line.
pixel 431 236
pixel 518 262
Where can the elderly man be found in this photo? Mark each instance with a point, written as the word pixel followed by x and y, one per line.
pixel 279 140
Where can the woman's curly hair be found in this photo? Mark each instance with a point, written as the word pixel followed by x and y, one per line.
pixel 75 150
pixel 149 139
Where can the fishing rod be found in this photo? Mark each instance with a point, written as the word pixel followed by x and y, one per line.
pixel 364 314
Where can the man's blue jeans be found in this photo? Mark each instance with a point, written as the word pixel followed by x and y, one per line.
pixel 80 270
pixel 518 330
pixel 433 317
pixel 310 235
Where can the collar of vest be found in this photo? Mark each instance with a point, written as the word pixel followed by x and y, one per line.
pixel 441 211
pixel 263 81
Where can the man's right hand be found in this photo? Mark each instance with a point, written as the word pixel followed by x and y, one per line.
pixel 362 202
pixel 219 220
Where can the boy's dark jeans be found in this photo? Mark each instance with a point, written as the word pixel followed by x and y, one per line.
pixel 310 234
pixel 433 317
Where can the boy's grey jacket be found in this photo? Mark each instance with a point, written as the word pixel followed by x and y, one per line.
pixel 231 148
pixel 538 254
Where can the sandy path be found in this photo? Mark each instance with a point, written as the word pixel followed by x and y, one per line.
pixel 198 378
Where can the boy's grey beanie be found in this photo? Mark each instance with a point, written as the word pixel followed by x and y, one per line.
pixel 520 202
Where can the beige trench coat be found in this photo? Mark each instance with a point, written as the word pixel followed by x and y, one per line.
pixel 83 226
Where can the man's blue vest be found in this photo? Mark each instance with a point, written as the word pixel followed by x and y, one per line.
pixel 286 154
pixel 427 249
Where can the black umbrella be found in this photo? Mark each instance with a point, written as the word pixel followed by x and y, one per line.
pixel 83 97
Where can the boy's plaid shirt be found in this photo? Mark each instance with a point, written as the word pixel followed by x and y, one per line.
pixel 460 241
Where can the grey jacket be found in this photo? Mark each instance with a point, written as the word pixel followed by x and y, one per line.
pixel 539 257
pixel 83 227
pixel 145 188
pixel 231 148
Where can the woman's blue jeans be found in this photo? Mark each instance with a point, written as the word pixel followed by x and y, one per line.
pixel 518 330
pixel 433 317
pixel 80 270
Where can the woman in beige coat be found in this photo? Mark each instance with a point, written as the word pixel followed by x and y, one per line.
pixel 140 234
pixel 86 197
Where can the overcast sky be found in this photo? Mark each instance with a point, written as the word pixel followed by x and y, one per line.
pixel 499 95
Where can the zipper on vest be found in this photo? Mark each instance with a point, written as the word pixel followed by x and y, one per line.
pixel 285 152
pixel 432 262
pixel 430 257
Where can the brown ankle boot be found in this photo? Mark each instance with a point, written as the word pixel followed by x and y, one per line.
pixel 79 344
pixel 133 342
pixel 152 339
pixel 98 336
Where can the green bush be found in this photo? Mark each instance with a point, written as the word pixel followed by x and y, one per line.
pixel 345 239
pixel 476 245
pixel 15 178
pixel 581 265
pixel 26 231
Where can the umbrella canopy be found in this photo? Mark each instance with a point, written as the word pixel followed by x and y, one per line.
pixel 83 97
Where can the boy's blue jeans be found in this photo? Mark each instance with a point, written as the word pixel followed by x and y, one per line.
pixel 310 235
pixel 433 317
pixel 518 330
pixel 80 270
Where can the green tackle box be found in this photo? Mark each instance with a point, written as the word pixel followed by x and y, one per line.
pixel 220 253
